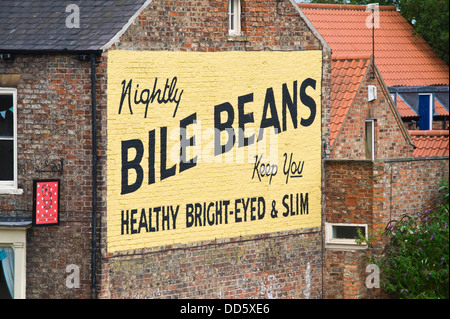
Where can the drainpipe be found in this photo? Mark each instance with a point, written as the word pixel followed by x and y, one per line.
pixel 94 175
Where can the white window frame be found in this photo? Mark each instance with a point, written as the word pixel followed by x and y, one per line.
pixel 15 237
pixel 11 187
pixel 431 109
pixel 372 125
pixel 234 18
pixel 343 243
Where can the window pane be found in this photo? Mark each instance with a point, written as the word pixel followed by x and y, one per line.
pixel 347 232
pixel 6 160
pixel 231 15
pixel 6 116
pixel 369 140
pixel 424 112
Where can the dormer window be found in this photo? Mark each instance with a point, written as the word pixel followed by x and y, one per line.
pixel 234 17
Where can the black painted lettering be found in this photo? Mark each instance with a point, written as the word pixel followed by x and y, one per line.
pixel 151 157
pixel 308 101
pixel 174 216
pixel 156 210
pixel 236 211
pixel 150 227
pixel 286 213
pixel 261 207
pixel 243 119
pixel 133 221
pixel 125 223
pixel 304 204
pixel 269 102
pixel 218 212
pixel 198 214
pixel 133 164
pixel 210 220
pixel 189 215
pixel 126 91
pixel 186 142
pixel 223 126
pixel 143 221
pixel 165 220
pixel 290 104
pixel 165 172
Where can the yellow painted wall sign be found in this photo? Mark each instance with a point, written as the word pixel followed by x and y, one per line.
pixel 211 145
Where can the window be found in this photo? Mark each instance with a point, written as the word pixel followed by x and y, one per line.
pixel 425 112
pixel 6 272
pixel 13 245
pixel 8 139
pixel 370 140
pixel 234 17
pixel 343 236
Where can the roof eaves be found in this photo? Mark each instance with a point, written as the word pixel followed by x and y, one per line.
pixel 428 132
pixel 116 37
pixel 52 51
pixel 311 26
pixel 342 6
pixel 367 67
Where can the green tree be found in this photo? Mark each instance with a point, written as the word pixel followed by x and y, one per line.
pixel 415 263
pixel 430 19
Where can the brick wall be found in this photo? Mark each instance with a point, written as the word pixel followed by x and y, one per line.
pixel 441 124
pixel 349 191
pixel 366 192
pixel 276 265
pixel 349 199
pixel 54 122
pixel 203 26
pixel 407 186
pixel 284 266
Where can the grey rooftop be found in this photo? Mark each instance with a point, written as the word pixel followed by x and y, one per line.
pixel 36 25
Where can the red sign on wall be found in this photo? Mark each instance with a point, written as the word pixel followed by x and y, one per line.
pixel 46 202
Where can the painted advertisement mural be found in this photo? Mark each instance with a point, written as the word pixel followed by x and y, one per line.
pixel 203 146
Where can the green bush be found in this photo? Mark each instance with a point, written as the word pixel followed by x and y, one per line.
pixel 415 264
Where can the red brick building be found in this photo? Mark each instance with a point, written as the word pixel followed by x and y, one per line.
pixel 54 88
pixel 55 98
pixel 377 170
pixel 415 76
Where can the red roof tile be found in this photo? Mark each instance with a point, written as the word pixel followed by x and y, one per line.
pixel 430 143
pixel 404 108
pixel 402 58
pixel 346 77
pixel 439 108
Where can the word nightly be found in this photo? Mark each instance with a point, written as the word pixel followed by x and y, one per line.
pixel 146 96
